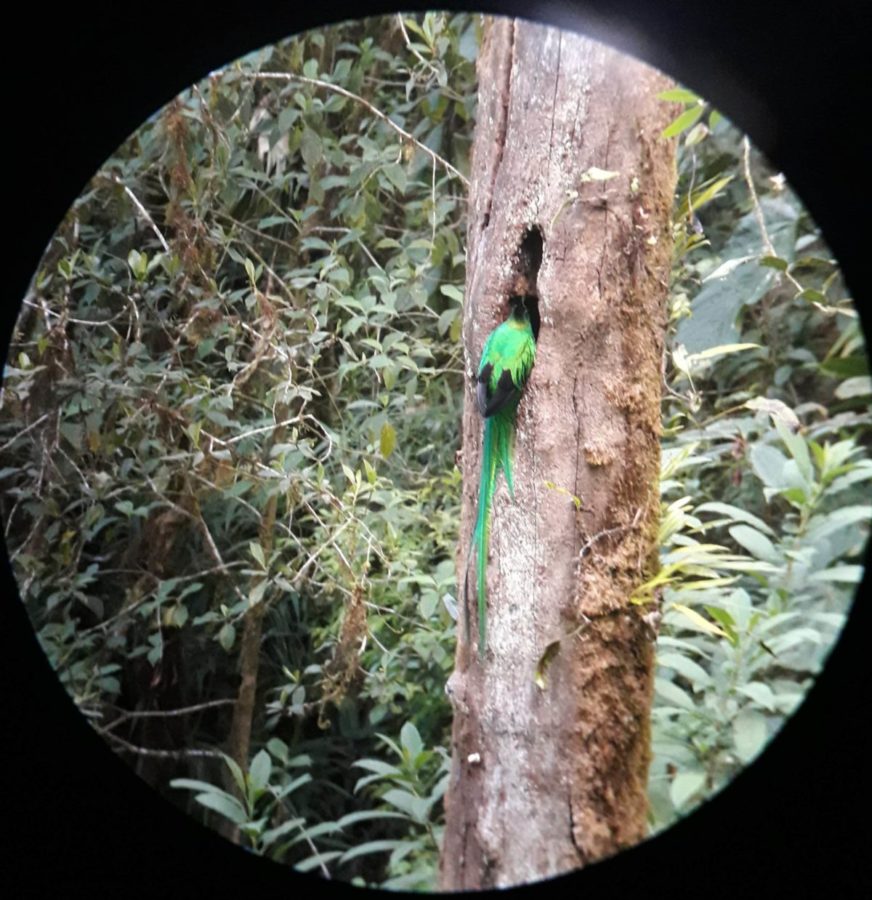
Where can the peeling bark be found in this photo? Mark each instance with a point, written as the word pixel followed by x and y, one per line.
pixel 548 777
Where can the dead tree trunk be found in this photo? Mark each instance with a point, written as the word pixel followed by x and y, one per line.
pixel 551 730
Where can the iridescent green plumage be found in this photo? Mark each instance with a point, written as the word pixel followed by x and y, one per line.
pixel 506 361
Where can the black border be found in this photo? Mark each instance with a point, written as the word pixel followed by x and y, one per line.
pixel 79 80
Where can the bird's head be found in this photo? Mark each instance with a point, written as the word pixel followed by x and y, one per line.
pixel 518 307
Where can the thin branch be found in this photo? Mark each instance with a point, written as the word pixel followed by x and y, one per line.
pixel 410 47
pixel 608 531
pixel 159 754
pixel 261 430
pixel 23 432
pixel 767 242
pixel 50 312
pixel 160 713
pixel 316 82
pixel 143 211
pixel 197 517
pixel 758 211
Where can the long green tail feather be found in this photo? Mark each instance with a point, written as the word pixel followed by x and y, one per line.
pixel 496 454
pixel 506 361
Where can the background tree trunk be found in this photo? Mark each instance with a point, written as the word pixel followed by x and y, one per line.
pixel 548 777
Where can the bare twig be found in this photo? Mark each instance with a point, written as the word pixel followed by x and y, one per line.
pixel 326 85
pixel 143 211
pixel 758 211
pixel 204 529
pixel 411 48
pixel 261 430
pixel 50 312
pixel 23 432
pixel 161 713
pixel 160 754
pixel 608 531
pixel 767 242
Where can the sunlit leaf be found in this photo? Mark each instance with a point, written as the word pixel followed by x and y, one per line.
pixel 387 440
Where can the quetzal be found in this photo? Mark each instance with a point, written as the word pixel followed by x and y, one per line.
pixel 506 361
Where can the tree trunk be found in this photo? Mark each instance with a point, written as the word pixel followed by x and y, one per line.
pixel 551 730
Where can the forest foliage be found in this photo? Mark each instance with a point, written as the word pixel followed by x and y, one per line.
pixel 235 386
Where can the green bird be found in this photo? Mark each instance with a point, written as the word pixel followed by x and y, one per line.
pixel 506 361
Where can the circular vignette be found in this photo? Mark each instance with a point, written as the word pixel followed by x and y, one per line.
pixel 834 663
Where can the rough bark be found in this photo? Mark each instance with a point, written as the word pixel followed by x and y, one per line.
pixel 548 777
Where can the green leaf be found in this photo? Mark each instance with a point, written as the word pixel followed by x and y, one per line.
pixel 258 774
pixel 387 440
pixel 846 366
pixel 680 359
pixel 725 618
pixel 311 148
pixel 685 667
pixel 798 449
pixel 774 262
pixel 679 95
pixel 684 121
pixel 224 805
pixel 452 291
pixel 293 785
pixel 410 740
pixel 250 271
pixel 720 350
pixel 227 636
pixel 256 551
pixel 716 307
pixel 273 834
pixel 760 693
pixel 672 693
pixel 845 574
pixel 416 807
pixel 380 768
pixel 685 786
pixel 735 513
pixel 696 134
pixel 278 748
pixel 777 410
pixel 755 543
pixel 838 519
pixel 859 386
pixel 194 785
pixel 698 622
pixel 396 174
pixel 255 595
pixel 768 465
pixel 812 295
pixel 317 860
pixel 138 263
pixel 235 771
pixel 781 643
pixel 749 734
pixel 366 815
pixel 704 194
pixel 729 266
pixel 369 847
